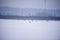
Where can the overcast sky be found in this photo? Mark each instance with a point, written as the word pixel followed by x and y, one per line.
pixel 39 4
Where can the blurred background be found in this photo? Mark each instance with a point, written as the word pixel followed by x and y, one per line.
pixel 13 29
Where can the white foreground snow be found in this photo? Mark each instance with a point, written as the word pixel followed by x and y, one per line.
pixel 29 30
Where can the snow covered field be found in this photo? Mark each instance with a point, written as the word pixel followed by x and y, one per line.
pixel 29 30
